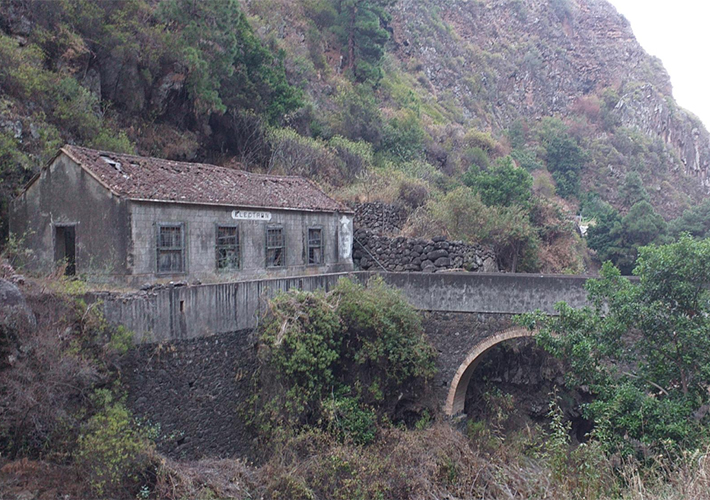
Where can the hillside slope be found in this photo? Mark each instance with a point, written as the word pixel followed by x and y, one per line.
pixel 400 104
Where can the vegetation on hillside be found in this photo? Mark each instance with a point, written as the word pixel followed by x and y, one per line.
pixel 342 411
pixel 320 88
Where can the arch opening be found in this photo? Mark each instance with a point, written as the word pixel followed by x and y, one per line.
pixel 456 398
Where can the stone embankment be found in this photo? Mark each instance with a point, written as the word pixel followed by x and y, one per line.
pixel 378 248
pixel 380 218
pixel 397 254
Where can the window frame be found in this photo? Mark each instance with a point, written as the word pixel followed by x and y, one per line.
pixel 235 246
pixel 182 249
pixel 309 246
pixel 269 248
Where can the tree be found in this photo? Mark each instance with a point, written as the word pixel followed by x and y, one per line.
pixel 642 348
pixel 617 238
pixel 360 26
pixel 633 190
pixel 228 67
pixel 695 221
pixel 564 157
pixel 504 185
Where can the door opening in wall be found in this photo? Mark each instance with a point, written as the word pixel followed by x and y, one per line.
pixel 65 248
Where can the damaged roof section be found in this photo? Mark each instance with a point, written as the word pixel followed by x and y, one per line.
pixel 154 179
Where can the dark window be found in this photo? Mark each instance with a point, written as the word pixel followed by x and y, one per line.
pixel 315 246
pixel 227 247
pixel 275 247
pixel 171 248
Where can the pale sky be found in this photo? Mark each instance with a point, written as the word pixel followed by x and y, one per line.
pixel 678 32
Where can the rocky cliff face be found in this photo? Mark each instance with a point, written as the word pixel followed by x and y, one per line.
pixel 501 60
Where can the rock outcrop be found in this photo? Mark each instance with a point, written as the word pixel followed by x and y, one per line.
pixel 505 60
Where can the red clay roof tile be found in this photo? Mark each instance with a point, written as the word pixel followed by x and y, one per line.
pixel 155 179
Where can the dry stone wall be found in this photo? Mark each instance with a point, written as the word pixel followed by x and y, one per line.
pixel 195 391
pixel 378 248
pixel 381 218
pixel 399 254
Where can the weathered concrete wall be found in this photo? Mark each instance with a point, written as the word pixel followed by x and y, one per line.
pixel 184 312
pixel 65 194
pixel 489 293
pixel 194 311
pixel 200 223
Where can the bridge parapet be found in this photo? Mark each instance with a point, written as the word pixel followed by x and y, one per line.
pixel 494 293
pixel 182 312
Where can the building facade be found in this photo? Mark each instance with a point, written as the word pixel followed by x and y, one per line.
pixel 144 220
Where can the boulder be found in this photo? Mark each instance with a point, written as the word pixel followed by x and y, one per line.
pixel 437 254
pixel 442 262
pixel 14 311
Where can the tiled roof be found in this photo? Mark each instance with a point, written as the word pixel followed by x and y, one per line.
pixel 154 179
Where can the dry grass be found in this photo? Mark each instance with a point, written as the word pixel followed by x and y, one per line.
pixel 432 464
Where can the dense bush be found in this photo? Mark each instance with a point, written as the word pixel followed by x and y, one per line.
pixel 508 229
pixel 331 360
pixel 642 350
pixel 504 184
pixel 113 451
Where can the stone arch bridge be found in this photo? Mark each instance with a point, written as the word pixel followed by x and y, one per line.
pixel 464 314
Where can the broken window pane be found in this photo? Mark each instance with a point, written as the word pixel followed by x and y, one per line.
pixel 315 246
pixel 275 247
pixel 171 248
pixel 227 247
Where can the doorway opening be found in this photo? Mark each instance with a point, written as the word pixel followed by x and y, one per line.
pixel 65 248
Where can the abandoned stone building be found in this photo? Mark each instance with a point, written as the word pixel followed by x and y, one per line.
pixel 146 219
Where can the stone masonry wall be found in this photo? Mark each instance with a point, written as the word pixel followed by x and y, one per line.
pixel 195 390
pixel 377 246
pixel 379 217
pixel 383 253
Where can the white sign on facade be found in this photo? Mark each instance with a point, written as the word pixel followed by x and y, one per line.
pixel 249 215
pixel 346 238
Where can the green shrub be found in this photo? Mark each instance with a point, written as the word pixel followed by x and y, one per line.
pixel 332 361
pixel 112 449
pixel 504 184
pixel 76 109
pixel 110 140
pixel 355 156
pixel 294 154
pixel 21 69
pixel 508 229
pixel 358 116
pixel 483 140
pixel 403 137
pixel 350 421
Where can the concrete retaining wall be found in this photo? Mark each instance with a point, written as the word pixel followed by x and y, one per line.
pixel 185 312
